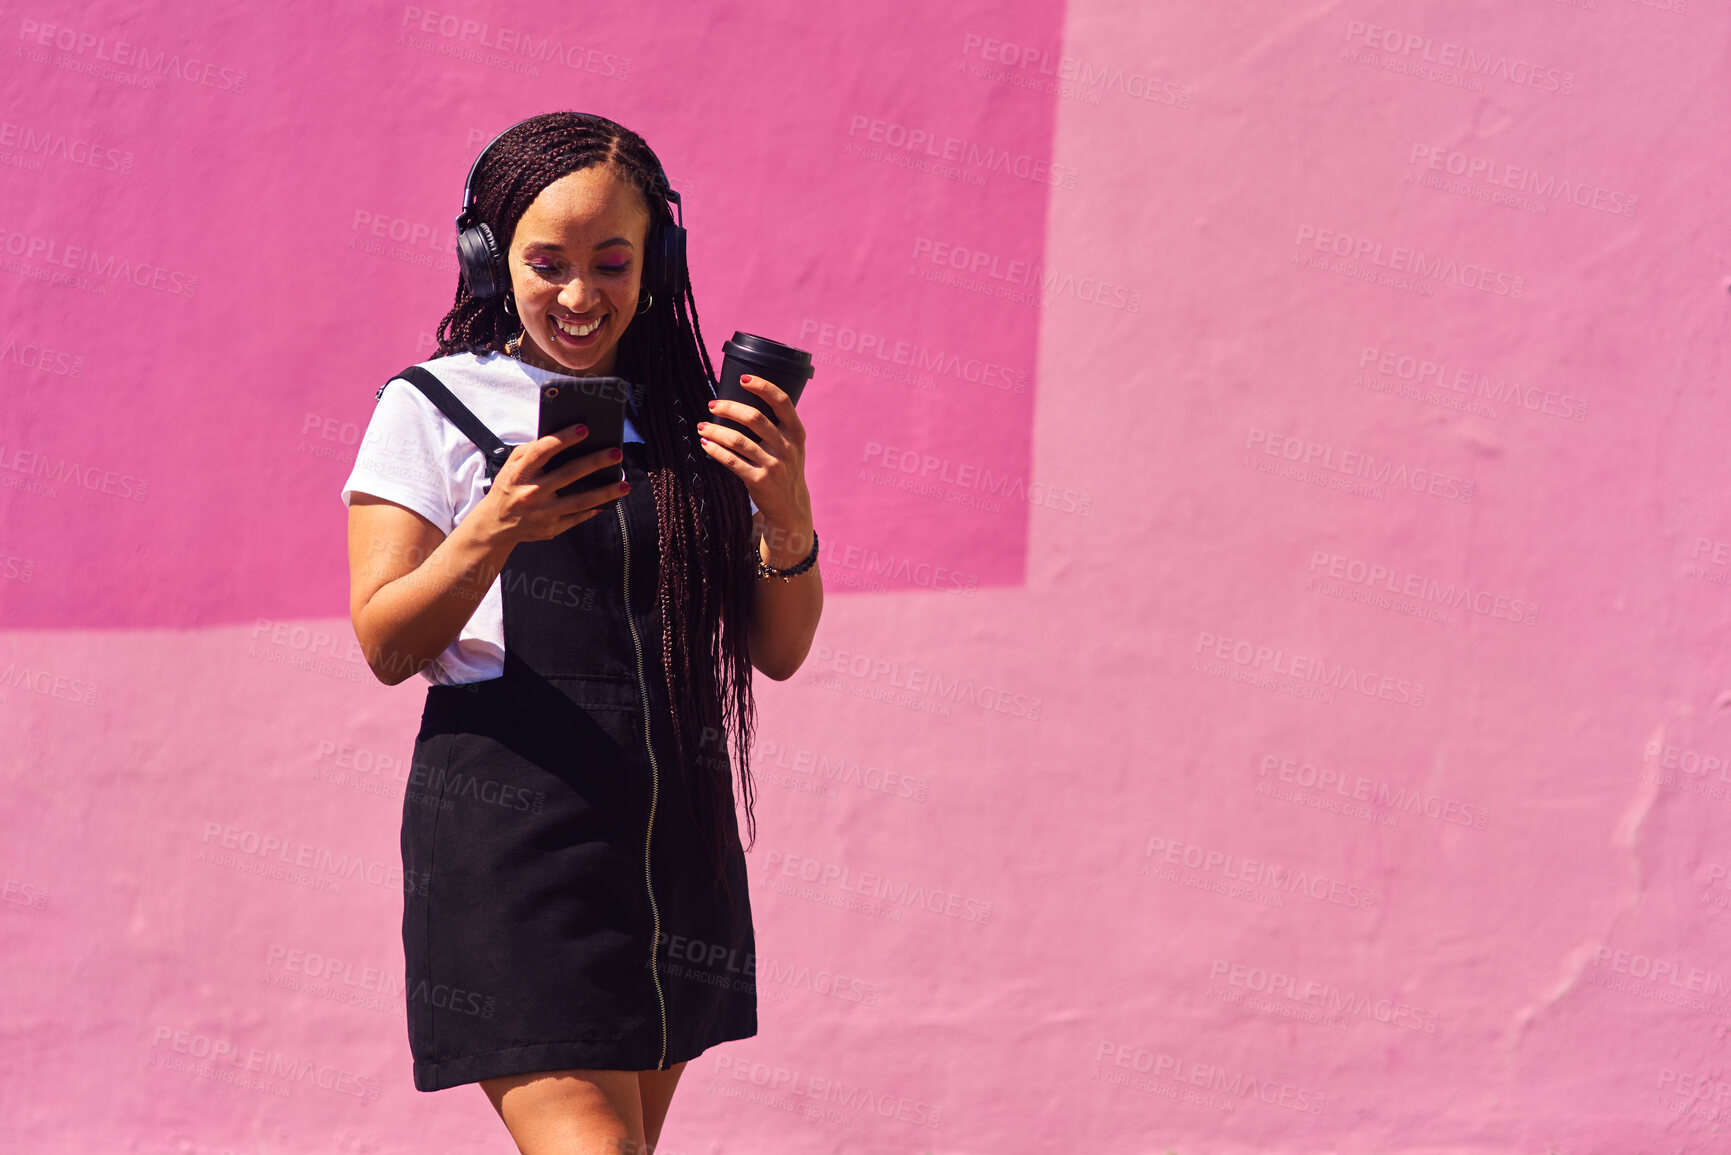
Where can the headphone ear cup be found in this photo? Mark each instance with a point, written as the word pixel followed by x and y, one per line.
pixel 478 258
pixel 670 270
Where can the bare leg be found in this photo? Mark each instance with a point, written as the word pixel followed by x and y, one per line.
pixel 657 1088
pixel 571 1112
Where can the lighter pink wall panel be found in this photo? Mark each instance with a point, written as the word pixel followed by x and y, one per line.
pixel 1270 696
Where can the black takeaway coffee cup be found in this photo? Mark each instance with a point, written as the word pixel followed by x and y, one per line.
pixel 749 354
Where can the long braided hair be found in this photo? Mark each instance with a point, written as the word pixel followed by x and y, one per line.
pixel 704 591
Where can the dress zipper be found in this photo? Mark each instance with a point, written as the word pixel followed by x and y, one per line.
pixel 654 783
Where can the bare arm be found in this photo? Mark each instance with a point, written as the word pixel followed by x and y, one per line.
pixel 412 589
pixel 784 613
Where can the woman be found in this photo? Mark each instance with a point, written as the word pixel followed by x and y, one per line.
pixel 576 925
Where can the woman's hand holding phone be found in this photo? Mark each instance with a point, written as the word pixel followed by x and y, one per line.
pixel 524 505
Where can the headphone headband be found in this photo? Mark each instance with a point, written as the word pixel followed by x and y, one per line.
pixel 469 181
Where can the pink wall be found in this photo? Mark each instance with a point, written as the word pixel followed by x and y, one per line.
pixel 1313 737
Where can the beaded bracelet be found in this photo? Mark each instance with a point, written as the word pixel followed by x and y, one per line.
pixel 764 570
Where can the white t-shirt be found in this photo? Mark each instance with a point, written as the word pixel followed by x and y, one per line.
pixel 413 455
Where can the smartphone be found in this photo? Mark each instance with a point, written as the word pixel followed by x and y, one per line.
pixel 598 402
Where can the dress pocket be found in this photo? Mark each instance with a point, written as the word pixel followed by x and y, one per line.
pixel 598 691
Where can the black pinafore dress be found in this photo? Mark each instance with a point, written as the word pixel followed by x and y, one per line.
pixel 560 910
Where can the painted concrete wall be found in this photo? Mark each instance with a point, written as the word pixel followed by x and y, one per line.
pixel 1270 461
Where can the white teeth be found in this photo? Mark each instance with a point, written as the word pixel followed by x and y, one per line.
pixel 571 331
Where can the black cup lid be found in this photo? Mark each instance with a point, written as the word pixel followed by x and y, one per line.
pixel 753 347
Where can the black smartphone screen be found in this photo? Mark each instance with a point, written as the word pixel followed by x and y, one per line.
pixel 598 402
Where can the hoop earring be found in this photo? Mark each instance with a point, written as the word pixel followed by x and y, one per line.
pixel 508 305
pixel 645 303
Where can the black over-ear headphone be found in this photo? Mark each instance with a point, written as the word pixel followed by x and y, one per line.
pixel 665 273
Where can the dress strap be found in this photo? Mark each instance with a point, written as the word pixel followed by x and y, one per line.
pixel 492 448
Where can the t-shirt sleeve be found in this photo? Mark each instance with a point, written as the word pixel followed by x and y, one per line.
pixel 402 456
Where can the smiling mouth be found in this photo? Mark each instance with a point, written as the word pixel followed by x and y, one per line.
pixel 575 330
